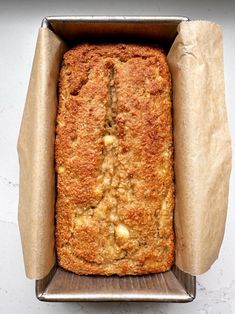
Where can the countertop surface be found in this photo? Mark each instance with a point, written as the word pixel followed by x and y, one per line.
pixel 18 32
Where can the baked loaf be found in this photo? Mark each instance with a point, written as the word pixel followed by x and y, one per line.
pixel 114 161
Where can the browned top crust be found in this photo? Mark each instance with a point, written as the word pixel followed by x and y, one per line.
pixel 114 161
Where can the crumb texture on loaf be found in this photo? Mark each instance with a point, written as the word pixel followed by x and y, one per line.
pixel 114 161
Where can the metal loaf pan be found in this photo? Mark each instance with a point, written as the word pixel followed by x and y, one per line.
pixel 60 285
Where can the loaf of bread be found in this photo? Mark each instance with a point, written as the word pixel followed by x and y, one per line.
pixel 114 161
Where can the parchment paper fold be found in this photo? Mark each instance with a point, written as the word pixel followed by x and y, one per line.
pixel 202 144
pixel 36 156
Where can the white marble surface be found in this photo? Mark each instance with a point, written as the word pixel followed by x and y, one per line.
pixel 18 31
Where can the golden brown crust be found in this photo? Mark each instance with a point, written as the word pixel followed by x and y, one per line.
pixel 114 161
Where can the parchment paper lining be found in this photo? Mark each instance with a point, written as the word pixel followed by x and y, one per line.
pixel 201 138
